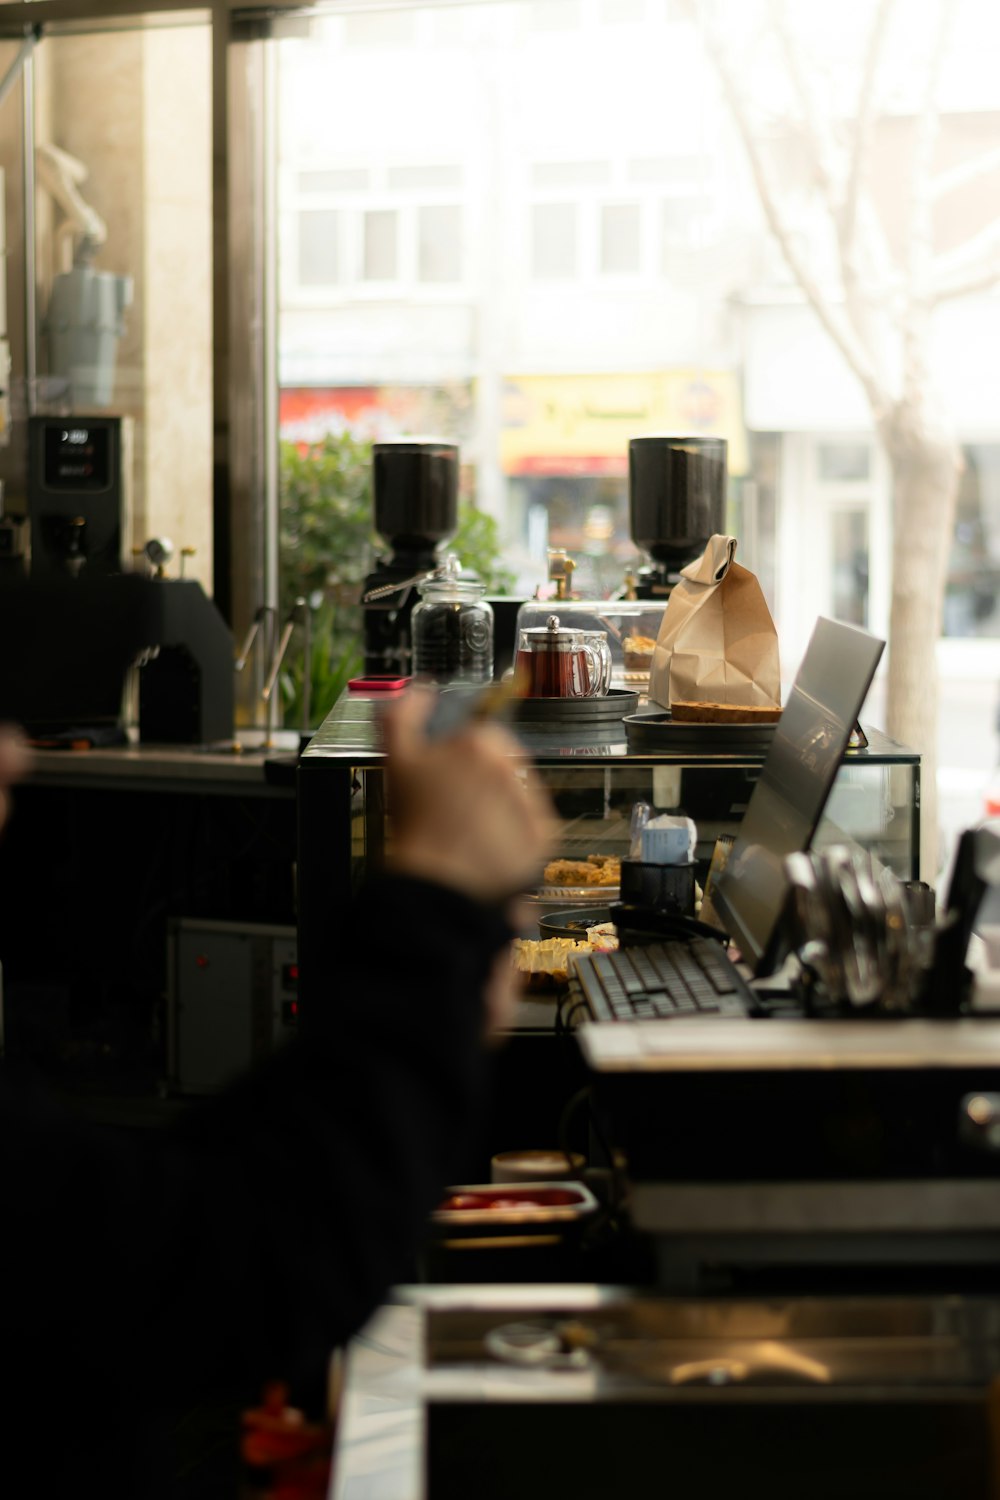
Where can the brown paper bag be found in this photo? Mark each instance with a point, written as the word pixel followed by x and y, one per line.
pixel 717 642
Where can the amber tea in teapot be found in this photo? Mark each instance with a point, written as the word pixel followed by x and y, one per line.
pixel 554 662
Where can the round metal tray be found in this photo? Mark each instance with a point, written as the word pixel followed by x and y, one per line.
pixel 550 898
pixel 659 732
pixel 576 712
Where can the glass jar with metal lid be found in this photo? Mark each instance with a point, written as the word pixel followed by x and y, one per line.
pixel 452 627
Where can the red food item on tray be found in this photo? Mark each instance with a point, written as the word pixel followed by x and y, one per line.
pixel 511 1198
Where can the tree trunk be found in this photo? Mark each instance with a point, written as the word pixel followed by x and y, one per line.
pixel 926 462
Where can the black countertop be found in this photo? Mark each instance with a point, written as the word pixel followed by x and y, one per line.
pixel 350 732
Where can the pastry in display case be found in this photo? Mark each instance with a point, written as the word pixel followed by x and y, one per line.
pixel 595 870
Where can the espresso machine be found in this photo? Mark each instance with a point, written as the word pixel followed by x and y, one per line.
pixel 677 502
pixel 79 623
pixel 415 498
pixel 79 495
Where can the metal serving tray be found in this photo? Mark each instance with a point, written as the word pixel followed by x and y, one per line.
pixel 528 1208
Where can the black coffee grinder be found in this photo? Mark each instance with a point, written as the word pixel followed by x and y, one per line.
pixel 677 502
pixel 415 496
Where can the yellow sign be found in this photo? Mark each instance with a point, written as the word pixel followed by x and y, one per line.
pixel 581 424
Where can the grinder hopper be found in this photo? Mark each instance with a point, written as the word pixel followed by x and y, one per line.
pixel 677 502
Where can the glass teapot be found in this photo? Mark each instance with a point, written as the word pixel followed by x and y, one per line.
pixel 556 662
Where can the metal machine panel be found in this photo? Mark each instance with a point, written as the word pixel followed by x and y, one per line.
pixel 233 998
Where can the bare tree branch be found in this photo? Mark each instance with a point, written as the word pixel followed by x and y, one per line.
pixel 857 226
pixel 981 280
pixel 853 351
pixel 970 251
pixel 849 214
pixel 964 172
pixel 920 241
pixel 817 139
pixel 913 429
pixel 864 119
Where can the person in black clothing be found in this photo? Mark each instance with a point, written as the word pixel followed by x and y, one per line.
pixel 247 1242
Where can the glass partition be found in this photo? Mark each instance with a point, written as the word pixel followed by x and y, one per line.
pixel 107 158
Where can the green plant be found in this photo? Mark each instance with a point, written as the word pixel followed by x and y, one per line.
pixel 327 546
pixel 325 528
pixel 335 658
pixel 477 543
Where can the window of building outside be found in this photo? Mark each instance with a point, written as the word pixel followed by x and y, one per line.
pixel 555 251
pixel 439 243
pixel 318 253
pixel 621 237
pixel 381 245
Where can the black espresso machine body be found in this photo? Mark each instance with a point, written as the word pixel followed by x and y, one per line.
pixel 68 645
pixel 80 621
pixel 79 495
pixel 415 498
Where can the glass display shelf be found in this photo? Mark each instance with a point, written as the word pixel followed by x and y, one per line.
pixel 594 777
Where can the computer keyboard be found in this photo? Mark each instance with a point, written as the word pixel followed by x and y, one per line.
pixel 662 980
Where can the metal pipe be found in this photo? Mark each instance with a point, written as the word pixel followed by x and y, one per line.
pixel 306 669
pixel 10 77
pixel 262 614
pixel 297 615
pixel 268 235
pixel 286 636
pixel 30 311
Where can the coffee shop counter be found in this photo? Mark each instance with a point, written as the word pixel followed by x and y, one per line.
pixel 247 765
pixel 595 772
pixel 112 859
pixel 587 1391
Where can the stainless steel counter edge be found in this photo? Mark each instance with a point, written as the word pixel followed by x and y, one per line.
pixel 157 766
pixel 747 1045
pixel 381 1434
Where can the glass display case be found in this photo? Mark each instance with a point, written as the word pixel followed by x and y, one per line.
pixel 595 778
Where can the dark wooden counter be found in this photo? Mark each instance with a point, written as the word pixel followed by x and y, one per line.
pixel 104 848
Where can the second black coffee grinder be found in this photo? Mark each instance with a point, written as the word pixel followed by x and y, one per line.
pixel 415 500
pixel 677 502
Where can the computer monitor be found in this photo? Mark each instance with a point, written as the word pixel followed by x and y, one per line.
pixel 788 799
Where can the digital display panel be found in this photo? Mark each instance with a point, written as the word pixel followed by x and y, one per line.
pixel 77 456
